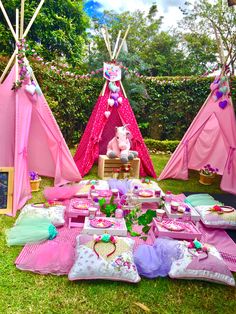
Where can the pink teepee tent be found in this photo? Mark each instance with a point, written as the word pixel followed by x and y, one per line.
pixel 100 130
pixel 210 139
pixel 101 126
pixel 30 139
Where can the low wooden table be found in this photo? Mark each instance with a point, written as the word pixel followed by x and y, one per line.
pixel 76 216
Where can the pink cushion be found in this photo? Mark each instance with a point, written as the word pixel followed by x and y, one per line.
pixel 49 258
pixel 193 265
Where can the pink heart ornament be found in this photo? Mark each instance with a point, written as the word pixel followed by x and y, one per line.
pixel 107 114
pixel 111 102
pixel 30 89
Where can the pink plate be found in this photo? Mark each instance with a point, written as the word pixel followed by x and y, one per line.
pixel 172 226
pixel 100 223
pixel 104 193
pixel 83 204
pixel 145 193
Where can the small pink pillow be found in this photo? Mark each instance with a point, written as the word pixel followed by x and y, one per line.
pixel 51 257
pixel 209 267
pixel 88 265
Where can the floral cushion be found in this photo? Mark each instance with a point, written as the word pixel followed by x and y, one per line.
pixel 214 219
pixel 201 266
pixel 118 266
pixel 54 213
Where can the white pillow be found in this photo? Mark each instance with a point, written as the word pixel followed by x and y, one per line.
pixel 214 220
pixel 54 213
pixel 119 266
pixel 194 266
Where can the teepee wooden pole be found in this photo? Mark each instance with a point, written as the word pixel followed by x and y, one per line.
pixel 116 45
pixel 32 72
pixel 123 90
pixel 108 42
pixel 7 20
pixel 105 39
pixel 17 36
pixel 22 14
pixel 33 18
pixel 122 43
pixel 104 88
pixel 8 66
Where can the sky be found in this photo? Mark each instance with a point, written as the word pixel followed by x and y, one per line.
pixel 167 8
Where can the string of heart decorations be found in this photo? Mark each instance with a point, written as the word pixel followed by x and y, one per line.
pixel 114 99
pixel 61 69
pixel 220 89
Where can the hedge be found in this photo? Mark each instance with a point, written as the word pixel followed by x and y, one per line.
pixel 155 146
pixel 164 108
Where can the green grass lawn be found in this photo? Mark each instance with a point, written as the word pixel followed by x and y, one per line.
pixel 23 292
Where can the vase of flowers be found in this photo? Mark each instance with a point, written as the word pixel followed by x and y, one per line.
pixel 34 181
pixel 207 174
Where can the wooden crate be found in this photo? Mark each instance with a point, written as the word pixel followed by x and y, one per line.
pixel 106 166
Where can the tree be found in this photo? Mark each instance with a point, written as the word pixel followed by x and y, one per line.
pixel 143 29
pixel 206 18
pixel 58 31
pixel 200 50
pixel 152 52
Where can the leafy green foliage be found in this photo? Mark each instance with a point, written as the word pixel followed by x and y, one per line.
pixel 146 219
pixel 206 18
pixel 58 31
pixel 108 209
pixel 149 50
pixel 163 146
pixel 130 219
pixel 202 51
pixel 136 217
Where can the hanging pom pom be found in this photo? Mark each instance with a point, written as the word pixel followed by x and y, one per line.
pixel 112 86
pixel 223 79
pixel 224 89
pixel 114 96
pixel 214 86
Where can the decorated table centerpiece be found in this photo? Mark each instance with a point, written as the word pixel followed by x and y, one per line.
pixel 34 181
pixel 207 174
